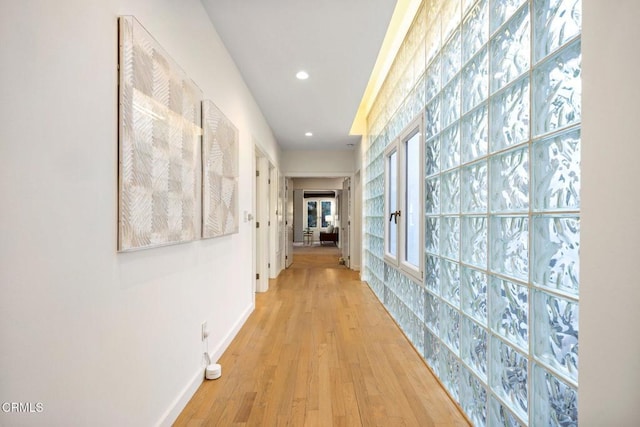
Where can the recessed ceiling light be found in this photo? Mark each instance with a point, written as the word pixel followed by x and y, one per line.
pixel 308 134
pixel 302 75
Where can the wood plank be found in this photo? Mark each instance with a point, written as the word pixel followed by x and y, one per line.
pixel 320 349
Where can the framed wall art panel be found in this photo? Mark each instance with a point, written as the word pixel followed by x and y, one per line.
pixel 159 140
pixel 219 173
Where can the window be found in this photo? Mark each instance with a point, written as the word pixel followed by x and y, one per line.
pixel 320 213
pixel 326 214
pixel 312 214
pixel 391 205
pixel 403 201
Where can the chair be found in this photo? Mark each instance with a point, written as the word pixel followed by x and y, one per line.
pixel 331 235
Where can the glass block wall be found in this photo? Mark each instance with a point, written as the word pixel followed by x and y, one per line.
pixel 496 317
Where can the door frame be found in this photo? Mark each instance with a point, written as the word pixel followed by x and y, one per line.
pixel 356 222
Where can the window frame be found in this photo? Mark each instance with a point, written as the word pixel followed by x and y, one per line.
pixel 390 258
pixel 399 147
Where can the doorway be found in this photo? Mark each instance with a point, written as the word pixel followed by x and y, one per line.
pixel 262 203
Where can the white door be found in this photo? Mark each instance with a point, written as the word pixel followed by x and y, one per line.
pixel 262 220
pixel 288 223
pixel 345 221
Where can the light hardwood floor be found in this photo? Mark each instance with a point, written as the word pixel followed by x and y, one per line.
pixel 320 350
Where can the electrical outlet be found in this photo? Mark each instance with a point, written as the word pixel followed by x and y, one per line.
pixel 204 331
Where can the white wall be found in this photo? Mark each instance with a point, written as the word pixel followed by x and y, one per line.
pixel 356 221
pixel 360 152
pixel 610 231
pixel 298 197
pixel 317 163
pixel 102 338
pixel 318 183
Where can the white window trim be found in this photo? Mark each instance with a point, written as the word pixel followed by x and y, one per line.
pixel 399 261
pixel 391 148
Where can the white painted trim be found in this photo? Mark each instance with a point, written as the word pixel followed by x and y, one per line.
pixel 254 213
pixel 317 174
pixel 178 405
pixel 171 415
pixel 259 149
pixel 263 237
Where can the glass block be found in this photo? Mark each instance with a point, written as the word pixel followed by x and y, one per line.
pixel 510 50
pixel 390 276
pixel 418 301
pixel 554 402
pixel 556 252
pixel 510 181
pixel 449 371
pixel 475 132
pixel 433 77
pixel 474 190
pixel 432 156
pixel 433 36
pixel 450 282
pixel 415 102
pixel 432 195
pixel 509 314
pixel 557 98
pixel 555 22
pixel 510 116
pixel 475 81
pixel 555 322
pixel 450 192
pixel 474 294
pixel 388 300
pixel 474 236
pixel 499 416
pixel 509 248
pixel 432 118
pixel 556 172
pixel 473 346
pixel 432 350
pixel 412 204
pixel 450 326
pixel 432 312
pixel 502 10
pixel 420 96
pixel 432 234
pixel 451 57
pixel 418 337
pixel 475 30
pixel 466 4
pixel 432 273
pixel 417 32
pixel 508 376
pixel 473 398
pixel 450 237
pixel 451 16
pixel 451 102
pixel 450 152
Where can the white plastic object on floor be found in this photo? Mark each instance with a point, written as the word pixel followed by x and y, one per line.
pixel 213 371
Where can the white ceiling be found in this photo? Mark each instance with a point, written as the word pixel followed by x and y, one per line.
pixel 335 41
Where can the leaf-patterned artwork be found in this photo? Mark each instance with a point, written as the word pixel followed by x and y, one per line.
pixel 219 173
pixel 159 136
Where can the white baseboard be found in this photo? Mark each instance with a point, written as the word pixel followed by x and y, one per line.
pixel 171 415
pixel 179 404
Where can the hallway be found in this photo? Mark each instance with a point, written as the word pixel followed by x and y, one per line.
pixel 320 349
